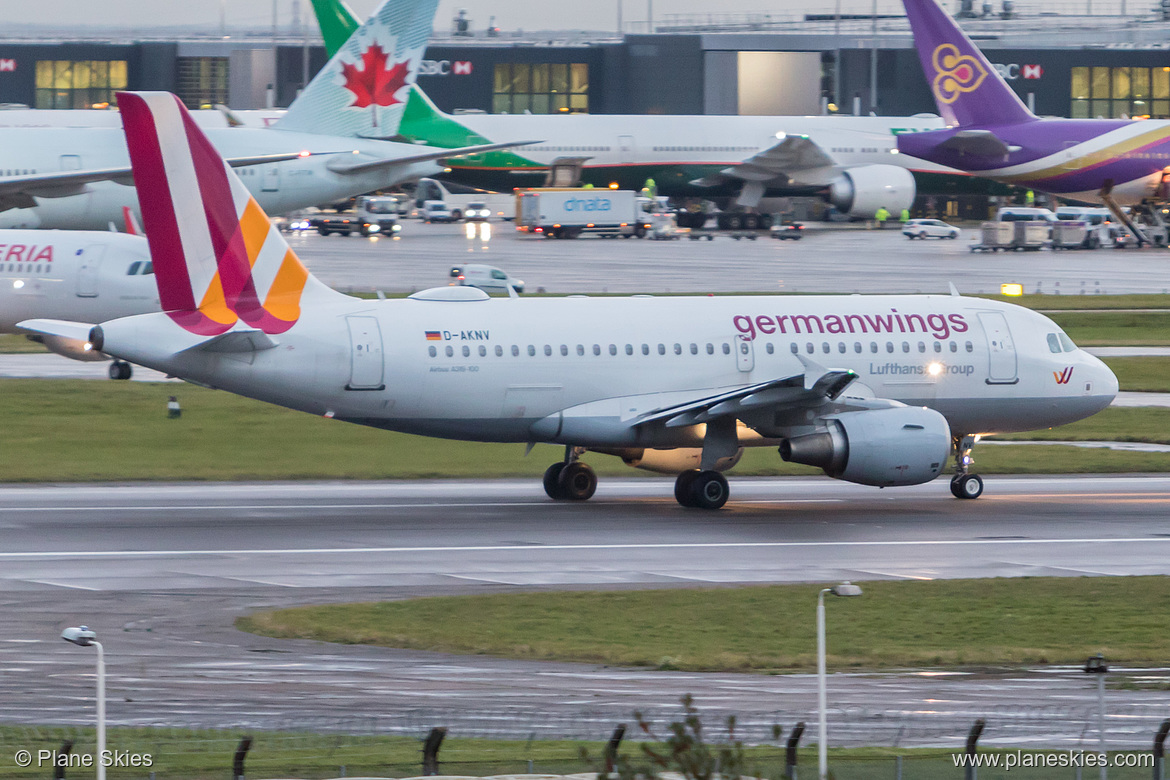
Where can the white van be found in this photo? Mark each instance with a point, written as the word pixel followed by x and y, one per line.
pixel 1022 214
pixel 485 277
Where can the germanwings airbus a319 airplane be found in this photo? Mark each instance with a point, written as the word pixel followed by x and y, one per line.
pixel 991 133
pixel 876 390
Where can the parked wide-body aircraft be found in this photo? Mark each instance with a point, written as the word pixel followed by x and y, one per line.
pixel 74 275
pixel 991 133
pixel 876 390
pixel 77 177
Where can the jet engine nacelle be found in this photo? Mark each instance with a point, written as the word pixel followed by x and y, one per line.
pixel 861 191
pixel 72 348
pixel 675 461
pixel 905 445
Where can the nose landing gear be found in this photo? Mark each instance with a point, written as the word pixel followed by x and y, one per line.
pixel 965 484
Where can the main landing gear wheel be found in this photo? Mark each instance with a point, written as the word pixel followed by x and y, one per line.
pixel 551 475
pixel 966 486
pixel 120 369
pixel 701 489
pixel 576 482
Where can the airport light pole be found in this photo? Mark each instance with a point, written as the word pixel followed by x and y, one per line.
pixel 83 637
pixel 844 589
pixel 1096 665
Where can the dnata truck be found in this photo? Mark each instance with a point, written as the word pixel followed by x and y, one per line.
pixel 569 212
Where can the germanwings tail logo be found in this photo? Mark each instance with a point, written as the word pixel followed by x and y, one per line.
pixel 217 259
pixel 1063 377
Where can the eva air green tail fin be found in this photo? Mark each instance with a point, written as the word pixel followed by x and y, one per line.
pixel 422 121
pixel 337 22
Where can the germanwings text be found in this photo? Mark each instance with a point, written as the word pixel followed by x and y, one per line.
pixel 941 326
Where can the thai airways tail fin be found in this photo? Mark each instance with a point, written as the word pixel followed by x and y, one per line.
pixel 966 88
pixel 361 91
pixel 217 258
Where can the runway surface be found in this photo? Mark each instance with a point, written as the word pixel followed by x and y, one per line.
pixel 161 571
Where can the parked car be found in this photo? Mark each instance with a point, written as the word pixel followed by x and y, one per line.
pixel 788 230
pixel 929 228
pixel 485 277
pixel 437 211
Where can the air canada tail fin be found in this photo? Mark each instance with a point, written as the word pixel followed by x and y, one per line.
pixel 217 258
pixel 361 91
pixel 966 88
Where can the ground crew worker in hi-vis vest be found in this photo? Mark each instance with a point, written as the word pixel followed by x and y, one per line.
pixel 881 215
pixel 905 217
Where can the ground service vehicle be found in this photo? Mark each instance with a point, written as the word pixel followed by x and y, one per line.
pixel 437 211
pixel 377 215
pixel 569 212
pixel 485 277
pixel 786 231
pixel 499 205
pixel 929 228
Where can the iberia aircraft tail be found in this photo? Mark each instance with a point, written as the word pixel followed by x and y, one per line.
pixel 217 259
pixel 362 90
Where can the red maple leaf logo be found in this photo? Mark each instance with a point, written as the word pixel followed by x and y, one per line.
pixel 374 84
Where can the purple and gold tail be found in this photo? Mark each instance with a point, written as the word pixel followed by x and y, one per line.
pixel 966 88
pixel 217 258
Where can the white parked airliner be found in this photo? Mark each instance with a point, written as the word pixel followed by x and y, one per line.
pixel 876 390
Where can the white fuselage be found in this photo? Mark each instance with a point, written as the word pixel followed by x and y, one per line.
pixel 82 276
pixel 278 187
pixel 581 370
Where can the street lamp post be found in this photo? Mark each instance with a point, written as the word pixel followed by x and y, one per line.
pixel 844 589
pixel 83 637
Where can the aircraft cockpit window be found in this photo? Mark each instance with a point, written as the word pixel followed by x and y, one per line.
pixel 1054 343
pixel 1067 343
pixel 133 271
pixel 147 268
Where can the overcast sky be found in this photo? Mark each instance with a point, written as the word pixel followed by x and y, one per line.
pixel 74 17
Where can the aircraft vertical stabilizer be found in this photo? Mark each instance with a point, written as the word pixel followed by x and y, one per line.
pixel 363 89
pixel 966 88
pixel 217 258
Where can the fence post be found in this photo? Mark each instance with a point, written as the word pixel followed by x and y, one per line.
pixel 972 744
pixel 898 767
pixel 611 749
pixel 790 751
pixel 1160 750
pixel 431 751
pixel 241 753
pixel 66 749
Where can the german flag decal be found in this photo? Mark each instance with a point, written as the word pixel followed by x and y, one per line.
pixel 434 335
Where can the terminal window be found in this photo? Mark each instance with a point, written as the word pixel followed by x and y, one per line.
pixel 544 88
pixel 79 84
pixel 1121 91
pixel 202 81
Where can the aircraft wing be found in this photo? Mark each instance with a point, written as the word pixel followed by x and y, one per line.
pixel 62 328
pixel 792 154
pixel 816 383
pixel 978 143
pixel 20 192
pixel 362 164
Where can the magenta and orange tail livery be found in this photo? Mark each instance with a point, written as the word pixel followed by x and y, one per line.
pixel 217 258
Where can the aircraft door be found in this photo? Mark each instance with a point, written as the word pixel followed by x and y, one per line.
pixel 745 356
pixel 626 147
pixel 365 341
pixel 270 178
pixel 90 263
pixel 1001 349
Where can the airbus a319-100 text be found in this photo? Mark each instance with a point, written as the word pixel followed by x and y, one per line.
pixel 876 390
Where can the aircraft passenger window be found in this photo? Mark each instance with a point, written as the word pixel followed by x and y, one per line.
pixel 1069 346
pixel 1054 343
pixel 905 346
pixel 937 347
pixel 809 348
pixel 922 346
pixel 795 349
pixel 661 349
pixel 841 347
pixel 825 347
pixel 629 349
pixel 564 351
pixel 596 349
pixel 531 351
pixel 547 351
pixel 466 351
pixel 645 349
pixel 889 346
pixel 726 348
pixel 771 348
pixel 873 347
pixel 710 347
pixel 499 351
pixel 678 349
pixel 482 351
pixel 432 351
pixel 970 347
pixel 450 351
pixel 694 349
pixel 954 347
pixel 38 268
pixel 613 349
pixel 857 347
pixel 580 350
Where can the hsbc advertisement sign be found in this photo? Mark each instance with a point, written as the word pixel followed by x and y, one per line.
pixel 1014 71
pixel 7 65
pixel 445 68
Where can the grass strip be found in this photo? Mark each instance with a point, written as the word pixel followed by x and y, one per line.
pixel 989 622
pixel 1141 374
pixel 1115 328
pixel 78 430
